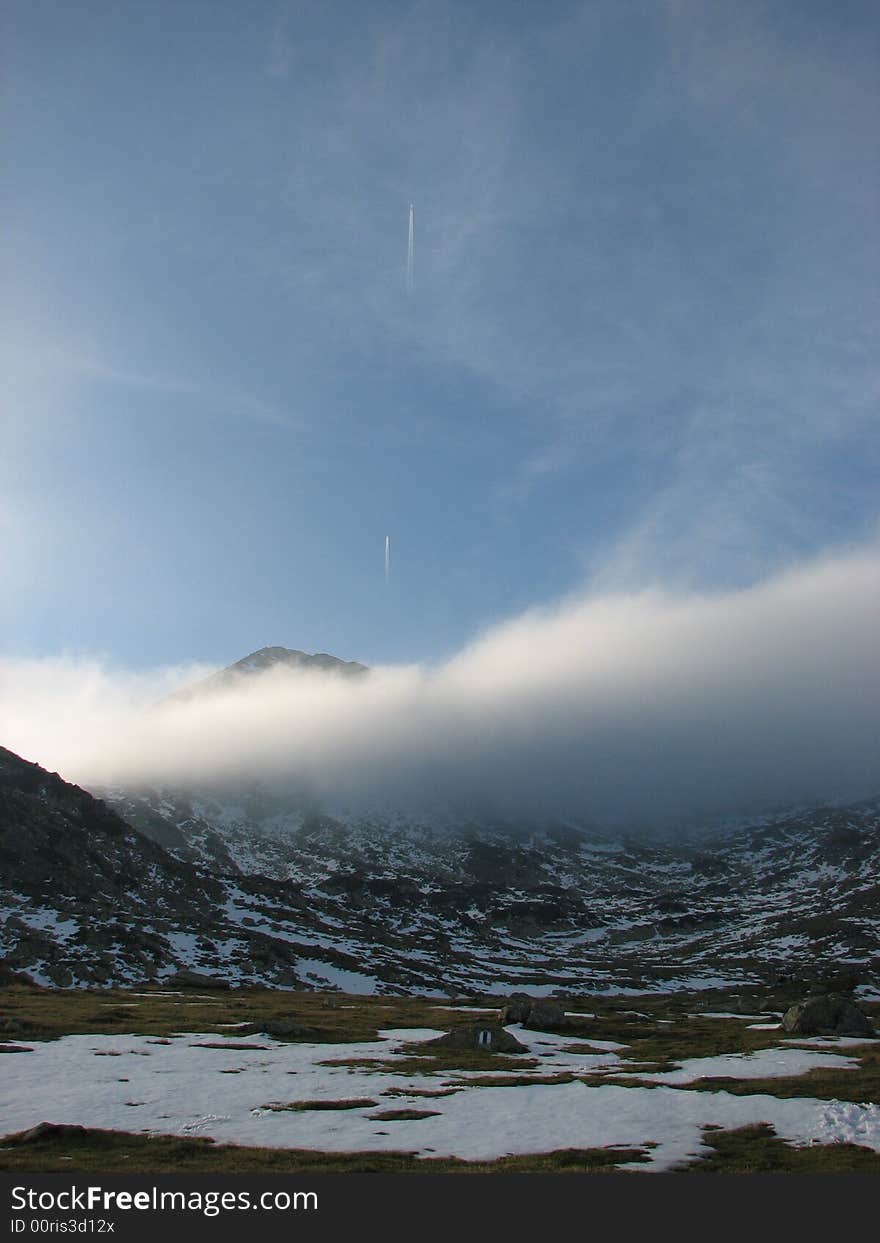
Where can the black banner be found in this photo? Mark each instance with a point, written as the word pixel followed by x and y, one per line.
pixel 198 1207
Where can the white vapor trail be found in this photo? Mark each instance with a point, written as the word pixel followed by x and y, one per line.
pixel 409 253
pixel 387 556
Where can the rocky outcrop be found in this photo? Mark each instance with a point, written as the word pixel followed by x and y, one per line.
pixel 95 902
pixel 829 1015
pixel 540 1014
pixel 479 1037
pixel 46 1131
pixel 195 979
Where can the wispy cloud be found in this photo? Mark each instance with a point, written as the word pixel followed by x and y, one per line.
pixel 646 265
pixel 646 272
pixel 62 362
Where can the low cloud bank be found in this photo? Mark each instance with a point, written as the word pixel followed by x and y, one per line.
pixel 640 710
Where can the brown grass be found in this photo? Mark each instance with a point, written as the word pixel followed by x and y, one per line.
pixel 651 1045
pixel 114 1152
pixel 748 1150
pixel 403 1115
pixel 354 1102
pixel 759 1150
pixel 45 1014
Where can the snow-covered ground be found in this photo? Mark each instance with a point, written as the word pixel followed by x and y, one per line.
pixel 763 1064
pixel 180 1087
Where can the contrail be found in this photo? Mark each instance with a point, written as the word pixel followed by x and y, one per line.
pixel 387 556
pixel 409 253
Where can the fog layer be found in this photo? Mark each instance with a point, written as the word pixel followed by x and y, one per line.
pixel 639 710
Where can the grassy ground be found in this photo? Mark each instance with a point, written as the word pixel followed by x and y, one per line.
pixel 354 1102
pixel 45 1014
pixel 861 1084
pixel 749 1150
pixel 759 1150
pixel 436 1063
pixel 656 1032
pixel 113 1153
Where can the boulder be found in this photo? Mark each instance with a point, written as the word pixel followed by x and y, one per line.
pixel 546 1015
pixel 194 979
pixel 286 1029
pixel 517 1010
pixel 47 1130
pixel 830 1014
pixel 481 1037
pixel 539 1014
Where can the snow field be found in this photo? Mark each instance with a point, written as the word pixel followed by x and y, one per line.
pixel 136 1083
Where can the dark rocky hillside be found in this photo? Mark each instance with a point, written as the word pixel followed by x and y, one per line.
pixel 87 898
pixel 257 890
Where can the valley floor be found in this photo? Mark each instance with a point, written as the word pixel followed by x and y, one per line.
pixel 653 1084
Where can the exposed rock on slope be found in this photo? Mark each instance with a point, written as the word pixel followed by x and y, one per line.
pixel 794 896
pixel 829 1015
pixel 89 900
pixel 258 890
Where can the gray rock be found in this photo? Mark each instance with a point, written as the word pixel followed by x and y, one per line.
pixel 517 1010
pixel 539 1014
pixel 194 979
pixel 286 1029
pixel 546 1015
pixel 481 1037
pixel 47 1130
pixel 828 1015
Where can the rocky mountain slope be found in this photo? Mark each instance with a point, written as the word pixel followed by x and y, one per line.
pixel 86 899
pixel 256 891
pixel 254 886
pixel 558 904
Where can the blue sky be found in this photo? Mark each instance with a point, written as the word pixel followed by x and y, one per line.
pixel 640 347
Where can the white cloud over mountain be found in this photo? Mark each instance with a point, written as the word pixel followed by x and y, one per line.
pixel 647 709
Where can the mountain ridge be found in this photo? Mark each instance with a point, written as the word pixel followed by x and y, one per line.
pixel 251 893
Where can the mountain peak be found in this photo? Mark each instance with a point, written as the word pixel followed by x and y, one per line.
pixel 263 659
pixel 269 657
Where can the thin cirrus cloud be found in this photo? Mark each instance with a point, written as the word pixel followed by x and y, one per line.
pixel 669 282
pixel 640 710
pixel 639 348
pixel 66 366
